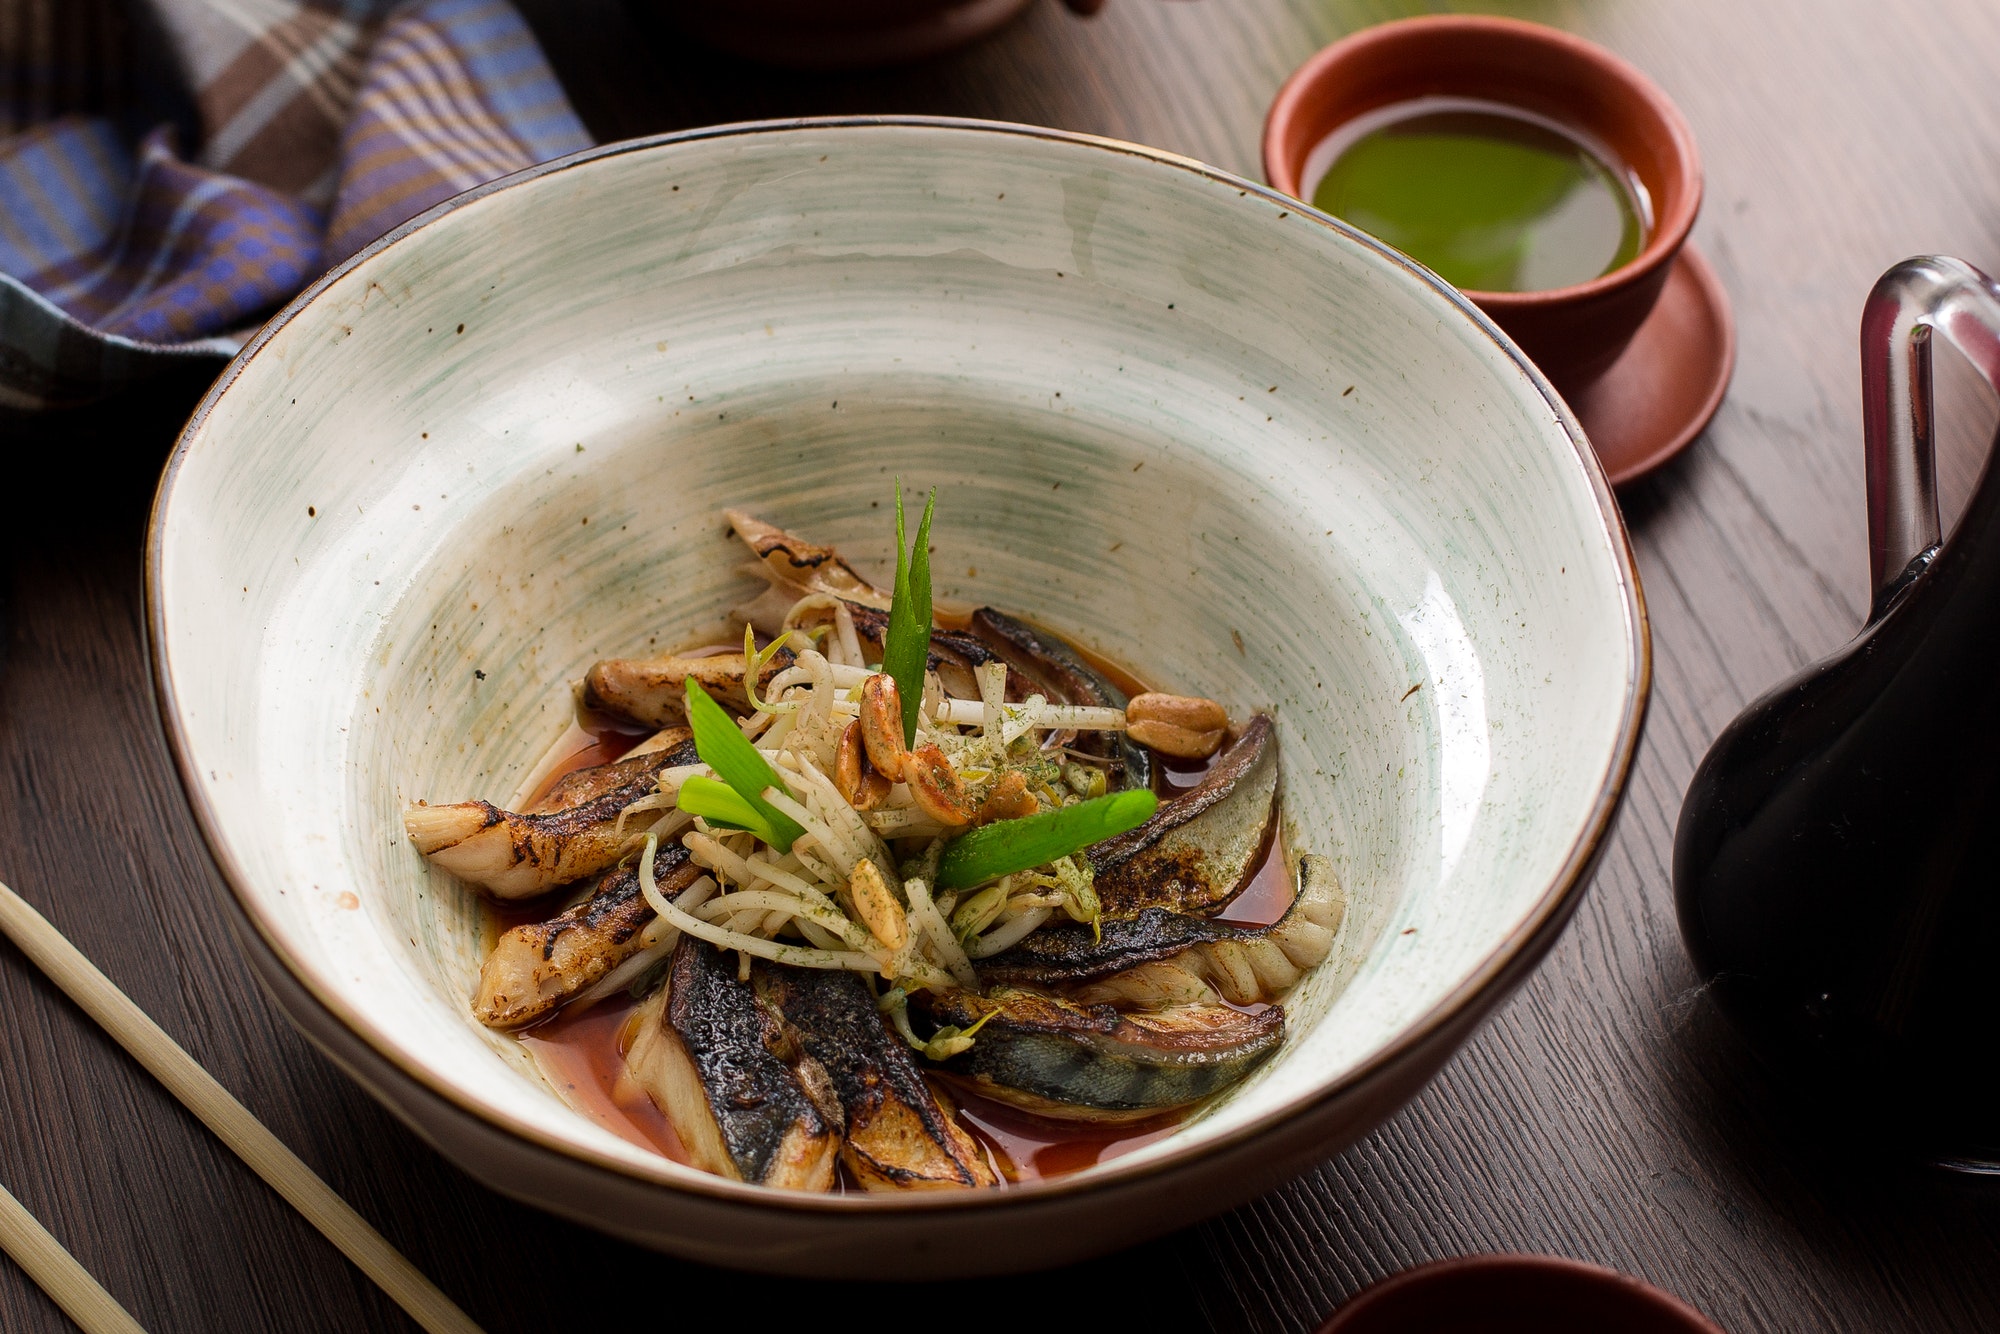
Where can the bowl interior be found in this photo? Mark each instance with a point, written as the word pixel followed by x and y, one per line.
pixel 1230 445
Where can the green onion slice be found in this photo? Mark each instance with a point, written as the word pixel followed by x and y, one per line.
pixel 719 804
pixel 1019 845
pixel 906 646
pixel 723 748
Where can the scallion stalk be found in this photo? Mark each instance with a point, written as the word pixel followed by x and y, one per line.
pixel 906 645
pixel 720 804
pixel 723 748
pixel 1019 845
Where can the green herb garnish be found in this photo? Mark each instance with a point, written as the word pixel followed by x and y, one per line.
pixel 906 645
pixel 1019 845
pixel 720 804
pixel 723 748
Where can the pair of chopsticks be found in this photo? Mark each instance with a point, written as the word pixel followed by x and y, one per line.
pixel 67 1282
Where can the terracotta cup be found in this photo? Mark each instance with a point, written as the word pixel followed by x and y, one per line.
pixel 1572 333
pixel 1502 1294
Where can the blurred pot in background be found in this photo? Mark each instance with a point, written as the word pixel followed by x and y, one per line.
pixel 844 34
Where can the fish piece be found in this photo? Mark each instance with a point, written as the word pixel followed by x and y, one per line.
pixel 899 1133
pixel 734 1079
pixel 806 566
pixel 1058 1058
pixel 539 966
pixel 650 691
pixel 1066 677
pixel 954 655
pixel 581 785
pixel 1201 847
pixel 1162 957
pixel 517 855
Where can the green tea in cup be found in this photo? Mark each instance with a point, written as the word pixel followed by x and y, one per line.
pixel 1491 197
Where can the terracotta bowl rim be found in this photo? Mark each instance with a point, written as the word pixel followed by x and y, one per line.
pixel 1670 230
pixel 1477 991
pixel 1554 1268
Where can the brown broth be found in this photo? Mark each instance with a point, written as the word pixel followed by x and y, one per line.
pixel 1025 1147
pixel 583 1056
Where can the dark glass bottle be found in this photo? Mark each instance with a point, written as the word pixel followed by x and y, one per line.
pixel 1837 864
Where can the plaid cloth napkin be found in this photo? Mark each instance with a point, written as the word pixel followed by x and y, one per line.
pixel 173 170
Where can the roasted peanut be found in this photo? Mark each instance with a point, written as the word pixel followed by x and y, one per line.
pixel 876 906
pixel 1189 712
pixel 1008 799
pixel 1171 739
pixel 882 725
pixel 853 776
pixel 936 787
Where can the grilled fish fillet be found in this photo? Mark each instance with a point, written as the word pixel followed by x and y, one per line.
pixel 1201 847
pixel 1162 957
pixel 805 566
pixel 746 1098
pixel 1073 1062
pixel 538 966
pixel 517 855
pixel 954 655
pixel 651 691
pixel 900 1134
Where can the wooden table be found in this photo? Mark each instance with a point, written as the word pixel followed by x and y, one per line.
pixel 1607 1113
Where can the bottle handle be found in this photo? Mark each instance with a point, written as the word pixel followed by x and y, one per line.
pixel 1916 299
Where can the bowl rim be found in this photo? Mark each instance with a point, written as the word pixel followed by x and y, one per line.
pixel 1551 909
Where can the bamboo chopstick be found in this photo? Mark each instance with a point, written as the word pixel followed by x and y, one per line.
pixel 231 1121
pixel 82 1298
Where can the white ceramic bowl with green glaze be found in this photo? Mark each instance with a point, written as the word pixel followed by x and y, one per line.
pixel 1214 435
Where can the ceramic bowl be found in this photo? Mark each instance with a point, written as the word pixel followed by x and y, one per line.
pixel 1166 412
pixel 1573 333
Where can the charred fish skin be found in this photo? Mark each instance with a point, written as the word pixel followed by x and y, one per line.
pixel 517 855
pixel 537 967
pixel 588 784
pixel 954 655
pixel 746 1099
pixel 899 1135
pixel 1201 847
pixel 1068 678
pixel 807 566
pixel 1244 965
pixel 1061 1059
pixel 1068 954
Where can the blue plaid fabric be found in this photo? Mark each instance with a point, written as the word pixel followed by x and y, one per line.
pixel 322 125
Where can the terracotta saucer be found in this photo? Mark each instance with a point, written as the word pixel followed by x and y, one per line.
pixel 1514 1294
pixel 1668 382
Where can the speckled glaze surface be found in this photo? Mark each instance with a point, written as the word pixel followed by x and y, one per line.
pixel 1209 433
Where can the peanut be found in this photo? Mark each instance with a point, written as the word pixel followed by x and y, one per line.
pixel 1008 799
pixel 1190 712
pixel 882 725
pixel 853 776
pixel 936 787
pixel 1171 739
pixel 876 906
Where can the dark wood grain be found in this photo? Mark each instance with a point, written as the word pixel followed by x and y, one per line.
pixel 1606 1113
